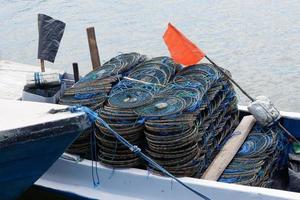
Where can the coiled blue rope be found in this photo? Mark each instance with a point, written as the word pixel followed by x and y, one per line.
pixel 93 116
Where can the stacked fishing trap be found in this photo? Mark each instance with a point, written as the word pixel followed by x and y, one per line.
pixel 93 89
pixel 178 116
pixel 262 154
pixel 188 119
pixel 135 90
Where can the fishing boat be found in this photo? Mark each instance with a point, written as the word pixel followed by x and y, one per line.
pixel 82 178
pixel 31 140
pixel 73 176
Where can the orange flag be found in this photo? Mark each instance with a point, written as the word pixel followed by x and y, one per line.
pixel 182 50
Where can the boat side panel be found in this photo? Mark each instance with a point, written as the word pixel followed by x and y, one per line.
pixel 293 125
pixel 27 161
pixel 50 129
pixel 133 184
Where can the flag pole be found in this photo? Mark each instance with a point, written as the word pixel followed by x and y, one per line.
pixel 173 37
pixel 246 94
pixel 235 83
pixel 42 65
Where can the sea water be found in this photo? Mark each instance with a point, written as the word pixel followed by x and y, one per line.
pixel 258 40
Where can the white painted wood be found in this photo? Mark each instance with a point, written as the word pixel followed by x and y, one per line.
pixel 17 114
pixel 13 78
pixel 132 184
pixel 230 148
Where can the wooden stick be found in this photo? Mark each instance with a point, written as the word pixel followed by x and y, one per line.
pixel 144 82
pixel 42 65
pixel 75 72
pixel 228 151
pixel 93 47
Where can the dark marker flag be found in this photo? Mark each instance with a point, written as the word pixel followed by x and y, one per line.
pixel 50 34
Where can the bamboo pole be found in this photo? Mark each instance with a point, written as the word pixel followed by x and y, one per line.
pixel 230 148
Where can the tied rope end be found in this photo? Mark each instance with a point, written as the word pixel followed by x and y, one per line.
pixel 135 149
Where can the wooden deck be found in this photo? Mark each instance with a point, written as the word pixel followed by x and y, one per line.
pixel 13 78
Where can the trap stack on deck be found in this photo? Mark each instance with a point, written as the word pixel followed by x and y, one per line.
pixel 219 118
pixel 263 152
pixel 188 119
pixel 138 89
pixel 92 91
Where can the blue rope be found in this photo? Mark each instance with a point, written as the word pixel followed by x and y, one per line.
pixel 93 116
pixel 96 181
pixel 95 156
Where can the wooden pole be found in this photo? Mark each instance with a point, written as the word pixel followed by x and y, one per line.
pixel 75 72
pixel 42 65
pixel 228 151
pixel 93 47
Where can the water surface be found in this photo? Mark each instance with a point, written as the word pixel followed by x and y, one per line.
pixel 258 40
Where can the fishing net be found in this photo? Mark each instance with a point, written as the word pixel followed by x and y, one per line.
pixel 93 89
pixel 263 152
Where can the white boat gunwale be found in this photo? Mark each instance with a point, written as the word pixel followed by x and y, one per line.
pixel 15 118
pixel 82 185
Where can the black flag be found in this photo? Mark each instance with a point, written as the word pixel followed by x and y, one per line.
pixel 50 34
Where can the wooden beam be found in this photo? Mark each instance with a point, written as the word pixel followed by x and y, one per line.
pixel 228 151
pixel 93 47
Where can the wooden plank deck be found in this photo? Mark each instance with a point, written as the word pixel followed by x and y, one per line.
pixel 13 78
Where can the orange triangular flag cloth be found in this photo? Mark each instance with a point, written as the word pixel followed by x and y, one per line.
pixel 182 50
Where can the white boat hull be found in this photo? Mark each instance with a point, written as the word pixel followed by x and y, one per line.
pixel 132 184
pixel 75 177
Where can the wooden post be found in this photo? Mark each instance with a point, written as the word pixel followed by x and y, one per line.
pixel 75 72
pixel 93 47
pixel 228 151
pixel 42 65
